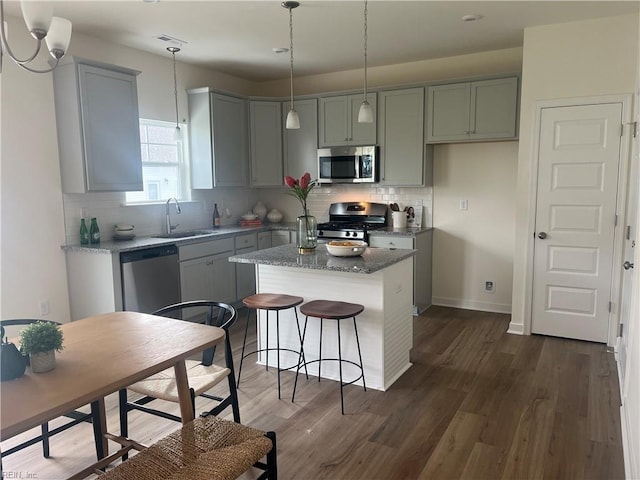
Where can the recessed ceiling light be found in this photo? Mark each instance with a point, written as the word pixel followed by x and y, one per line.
pixel 471 18
pixel 280 50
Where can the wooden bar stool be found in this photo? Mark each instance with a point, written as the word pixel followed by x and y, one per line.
pixel 331 310
pixel 272 302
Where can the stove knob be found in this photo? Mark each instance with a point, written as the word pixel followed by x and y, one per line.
pixel 320 233
pixel 347 234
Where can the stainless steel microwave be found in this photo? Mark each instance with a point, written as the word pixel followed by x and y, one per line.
pixel 348 164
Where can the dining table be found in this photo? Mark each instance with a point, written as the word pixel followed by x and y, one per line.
pixel 103 354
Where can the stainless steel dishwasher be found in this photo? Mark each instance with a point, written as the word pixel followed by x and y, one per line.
pixel 150 278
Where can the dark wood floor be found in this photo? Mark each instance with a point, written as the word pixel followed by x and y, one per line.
pixel 477 404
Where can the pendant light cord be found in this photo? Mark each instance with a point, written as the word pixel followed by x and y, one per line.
pixel 291 51
pixel 175 88
pixel 365 50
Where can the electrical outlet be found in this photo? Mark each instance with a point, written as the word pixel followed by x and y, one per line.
pixel 44 307
pixel 489 286
pixel 464 205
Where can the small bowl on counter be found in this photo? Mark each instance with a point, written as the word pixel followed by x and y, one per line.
pixel 346 248
pixel 249 216
pixel 124 231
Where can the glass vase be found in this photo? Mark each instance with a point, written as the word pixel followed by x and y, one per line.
pixel 306 233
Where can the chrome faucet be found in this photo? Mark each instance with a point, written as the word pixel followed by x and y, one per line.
pixel 170 227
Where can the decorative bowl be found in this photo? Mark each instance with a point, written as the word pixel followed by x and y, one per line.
pixel 274 216
pixel 346 248
pixel 124 227
pixel 249 216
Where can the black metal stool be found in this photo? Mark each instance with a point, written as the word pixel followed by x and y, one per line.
pixel 272 302
pixel 331 310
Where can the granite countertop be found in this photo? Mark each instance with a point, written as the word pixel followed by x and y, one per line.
pixel 372 260
pixel 405 232
pixel 115 246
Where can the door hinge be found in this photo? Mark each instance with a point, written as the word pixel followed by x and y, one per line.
pixel 628 233
pixel 615 221
pixel 634 128
pixel 620 329
pixel 610 307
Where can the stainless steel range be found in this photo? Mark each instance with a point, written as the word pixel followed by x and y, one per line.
pixel 352 221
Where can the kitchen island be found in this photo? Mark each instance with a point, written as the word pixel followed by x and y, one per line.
pixel 381 279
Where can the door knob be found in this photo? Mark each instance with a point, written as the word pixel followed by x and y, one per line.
pixel 627 265
pixel 542 235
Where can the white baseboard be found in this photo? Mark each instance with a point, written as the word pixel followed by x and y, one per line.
pixel 516 328
pixel 471 305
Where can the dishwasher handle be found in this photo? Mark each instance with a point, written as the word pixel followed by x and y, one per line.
pixel 147 253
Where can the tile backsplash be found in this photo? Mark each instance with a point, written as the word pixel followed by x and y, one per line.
pixel 110 209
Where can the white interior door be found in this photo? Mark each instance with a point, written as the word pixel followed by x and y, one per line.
pixel 579 157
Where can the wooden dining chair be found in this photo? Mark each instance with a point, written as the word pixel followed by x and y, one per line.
pixel 203 374
pixel 76 417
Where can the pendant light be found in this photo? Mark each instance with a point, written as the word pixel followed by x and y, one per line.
pixel 365 115
pixel 55 31
pixel 293 121
pixel 177 134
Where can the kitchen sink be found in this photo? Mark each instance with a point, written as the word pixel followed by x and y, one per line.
pixel 185 234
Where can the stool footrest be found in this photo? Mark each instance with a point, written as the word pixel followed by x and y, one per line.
pixel 276 350
pixel 338 360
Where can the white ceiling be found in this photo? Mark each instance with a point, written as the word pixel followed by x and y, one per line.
pixel 237 37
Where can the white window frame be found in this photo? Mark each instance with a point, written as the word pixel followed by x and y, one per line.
pixel 184 179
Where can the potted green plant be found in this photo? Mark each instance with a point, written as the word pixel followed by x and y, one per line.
pixel 40 341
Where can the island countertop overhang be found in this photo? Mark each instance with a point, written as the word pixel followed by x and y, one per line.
pixel 371 261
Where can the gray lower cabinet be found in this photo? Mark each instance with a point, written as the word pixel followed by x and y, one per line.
pixel 423 243
pixel 264 240
pixel 480 110
pixel 218 140
pixel 282 237
pixel 205 271
pixel 245 272
pixel 98 127
pixel 401 134
pixel 265 131
pixel 301 145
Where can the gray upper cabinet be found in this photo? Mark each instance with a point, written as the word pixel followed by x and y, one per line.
pixel 301 144
pixel 218 140
pixel 471 111
pixel 401 134
pixel 265 131
pixel 98 127
pixel 339 121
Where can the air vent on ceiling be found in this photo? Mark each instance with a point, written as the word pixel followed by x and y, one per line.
pixel 168 38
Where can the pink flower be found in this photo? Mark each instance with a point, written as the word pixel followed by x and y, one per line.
pixel 304 180
pixel 300 188
pixel 290 181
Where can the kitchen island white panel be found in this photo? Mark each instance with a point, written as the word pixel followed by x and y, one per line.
pixel 384 328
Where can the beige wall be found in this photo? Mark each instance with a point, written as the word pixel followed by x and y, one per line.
pixel 33 220
pixel 587 58
pixel 476 245
pixel 32 265
pixel 464 66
